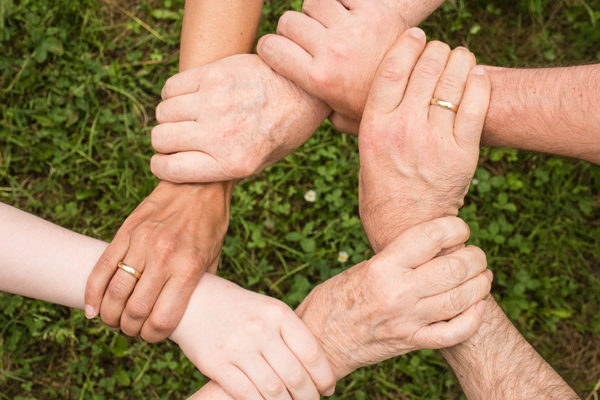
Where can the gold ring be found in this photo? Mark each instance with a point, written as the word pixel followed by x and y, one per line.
pixel 444 104
pixel 131 271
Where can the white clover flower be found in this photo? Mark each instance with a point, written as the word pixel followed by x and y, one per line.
pixel 342 256
pixel 475 181
pixel 310 196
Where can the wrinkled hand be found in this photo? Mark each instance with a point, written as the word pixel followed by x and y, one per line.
pixel 332 51
pixel 416 159
pixel 172 238
pixel 401 300
pixel 254 346
pixel 229 120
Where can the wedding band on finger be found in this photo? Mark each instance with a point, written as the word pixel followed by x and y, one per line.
pixel 130 270
pixel 444 104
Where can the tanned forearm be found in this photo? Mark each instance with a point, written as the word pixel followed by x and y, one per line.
pixel 215 29
pixel 551 110
pixel 498 364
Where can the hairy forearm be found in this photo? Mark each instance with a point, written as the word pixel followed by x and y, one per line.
pixel 551 110
pixel 498 363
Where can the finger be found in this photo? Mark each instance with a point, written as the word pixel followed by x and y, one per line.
pixel 449 304
pixel 344 124
pixel 290 370
pixel 389 84
pixel 235 382
pixel 120 288
pixel 449 271
pixel 473 109
pixel 175 137
pixel 302 30
pixel 142 300
pixel 263 377
pixel 422 242
pixel 169 308
pixel 103 272
pixel 425 77
pixel 188 167
pixel 179 108
pixel 451 87
pixel 185 82
pixel 286 58
pixel 450 333
pixel 307 350
pixel 327 12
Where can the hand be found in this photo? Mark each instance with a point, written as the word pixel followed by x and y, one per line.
pixel 254 346
pixel 229 120
pixel 416 159
pixel 172 238
pixel 332 51
pixel 402 299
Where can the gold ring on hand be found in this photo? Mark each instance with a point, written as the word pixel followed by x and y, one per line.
pixel 444 104
pixel 130 270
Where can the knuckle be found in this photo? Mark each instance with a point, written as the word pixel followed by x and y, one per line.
pixel 274 388
pixel 429 69
pixel 456 269
pixel 479 257
pixel 339 50
pixel 433 232
pixel 297 378
pixel 162 322
pixel 458 301
pixel 165 245
pixel 138 309
pixel 391 70
pixel 156 138
pixel 451 84
pixel 118 289
pixel 319 77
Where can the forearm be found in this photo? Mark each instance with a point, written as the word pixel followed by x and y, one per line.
pixel 551 110
pixel 498 363
pixel 217 29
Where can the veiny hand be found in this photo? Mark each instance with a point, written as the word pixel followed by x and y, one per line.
pixel 416 159
pixel 172 238
pixel 332 51
pixel 402 299
pixel 229 120
pixel 254 346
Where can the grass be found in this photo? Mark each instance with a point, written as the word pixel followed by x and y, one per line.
pixel 78 85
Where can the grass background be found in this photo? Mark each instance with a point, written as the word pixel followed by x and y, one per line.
pixel 78 85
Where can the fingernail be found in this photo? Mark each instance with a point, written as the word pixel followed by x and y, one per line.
pixel 461 48
pixel 330 391
pixel 90 312
pixel 490 275
pixel 478 70
pixel 417 32
pixel 480 307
